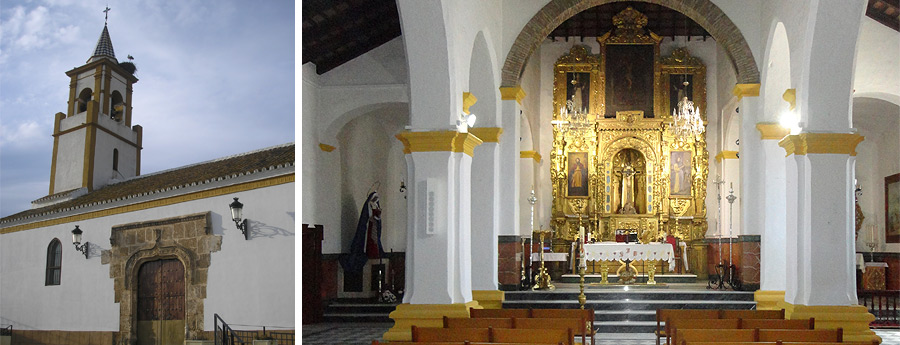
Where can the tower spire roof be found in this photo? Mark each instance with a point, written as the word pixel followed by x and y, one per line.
pixel 104 47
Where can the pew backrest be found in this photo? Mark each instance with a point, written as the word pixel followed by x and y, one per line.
pixel 751 314
pixel 532 336
pixel 499 313
pixel 778 324
pixel 587 314
pixel 576 325
pixel 716 335
pixel 802 335
pixel 673 326
pixel 478 322
pixel 421 334
pixel 677 314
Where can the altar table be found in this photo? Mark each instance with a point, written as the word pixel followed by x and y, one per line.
pixel 614 251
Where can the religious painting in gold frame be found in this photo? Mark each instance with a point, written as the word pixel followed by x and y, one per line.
pixel 577 78
pixel 676 69
pixel 628 63
pixel 577 173
pixel 892 208
pixel 680 167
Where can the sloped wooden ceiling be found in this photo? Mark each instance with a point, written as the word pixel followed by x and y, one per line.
pixel 337 31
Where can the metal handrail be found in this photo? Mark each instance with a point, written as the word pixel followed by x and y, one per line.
pixel 224 335
pixel 6 330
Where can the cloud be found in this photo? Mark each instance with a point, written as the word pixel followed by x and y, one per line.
pixel 22 134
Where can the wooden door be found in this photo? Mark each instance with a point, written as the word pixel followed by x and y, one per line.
pixel 160 313
pixel 312 274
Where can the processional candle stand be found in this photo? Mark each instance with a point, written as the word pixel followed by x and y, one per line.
pixel 582 265
pixel 542 278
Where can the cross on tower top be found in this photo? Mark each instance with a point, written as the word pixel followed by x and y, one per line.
pixel 106 15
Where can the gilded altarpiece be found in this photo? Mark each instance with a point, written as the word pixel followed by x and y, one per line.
pixel 633 158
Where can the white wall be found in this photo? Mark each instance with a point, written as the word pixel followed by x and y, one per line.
pixel 84 300
pixel 877 156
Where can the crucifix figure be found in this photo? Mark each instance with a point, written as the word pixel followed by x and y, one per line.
pixel 626 174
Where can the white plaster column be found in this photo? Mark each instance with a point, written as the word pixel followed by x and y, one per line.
pixel 752 161
pixel 772 242
pixel 485 208
pixel 509 161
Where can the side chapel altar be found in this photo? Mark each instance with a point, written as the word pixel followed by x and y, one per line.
pixel 616 162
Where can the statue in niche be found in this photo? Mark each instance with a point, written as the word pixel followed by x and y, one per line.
pixel 629 162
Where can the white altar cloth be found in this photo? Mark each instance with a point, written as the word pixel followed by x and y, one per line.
pixel 612 251
pixel 550 256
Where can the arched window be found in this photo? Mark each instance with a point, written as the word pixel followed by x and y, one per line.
pixel 54 262
pixel 83 98
pixel 118 106
pixel 115 159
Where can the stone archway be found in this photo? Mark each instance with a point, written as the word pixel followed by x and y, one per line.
pixel 704 12
pixel 188 239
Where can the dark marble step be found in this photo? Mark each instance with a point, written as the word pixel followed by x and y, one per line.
pixel 625 315
pixel 641 278
pixel 625 327
pixel 360 307
pixel 356 317
pixel 600 305
pixel 633 295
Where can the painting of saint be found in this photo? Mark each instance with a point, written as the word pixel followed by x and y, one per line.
pixel 578 90
pixel 892 208
pixel 578 174
pixel 629 81
pixel 680 174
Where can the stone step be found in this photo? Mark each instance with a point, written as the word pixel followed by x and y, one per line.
pixel 636 294
pixel 600 305
pixel 641 278
pixel 625 326
pixel 625 315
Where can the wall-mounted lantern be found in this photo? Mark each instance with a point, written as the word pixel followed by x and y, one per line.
pixel 236 215
pixel 76 240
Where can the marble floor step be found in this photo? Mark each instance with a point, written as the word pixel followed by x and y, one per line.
pixel 357 317
pixel 625 326
pixel 631 295
pixel 633 304
pixel 625 315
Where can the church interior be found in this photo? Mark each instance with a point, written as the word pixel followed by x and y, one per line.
pixel 461 156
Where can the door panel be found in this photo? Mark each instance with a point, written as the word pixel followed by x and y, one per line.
pixel 161 303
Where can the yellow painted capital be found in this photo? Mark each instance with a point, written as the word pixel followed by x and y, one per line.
pixel 790 95
pixel 326 147
pixel 512 93
pixel 487 134
pixel 853 319
pixel 726 155
pixel 439 141
pixel 530 154
pixel 803 143
pixel 745 90
pixel 770 130
pixel 468 100
pixel 423 315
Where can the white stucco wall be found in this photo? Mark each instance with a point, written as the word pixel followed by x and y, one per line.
pixel 249 281
pixel 70 159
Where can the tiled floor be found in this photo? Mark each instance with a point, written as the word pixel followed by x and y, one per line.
pixel 364 333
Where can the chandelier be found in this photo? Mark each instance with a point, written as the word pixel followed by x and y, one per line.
pixel 572 120
pixel 686 118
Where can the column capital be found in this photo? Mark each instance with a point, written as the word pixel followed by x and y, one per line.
pixel 745 90
pixel 439 141
pixel 726 155
pixel 771 130
pixel 487 134
pixel 468 100
pixel 512 93
pixel 530 154
pixel 835 143
pixel 326 147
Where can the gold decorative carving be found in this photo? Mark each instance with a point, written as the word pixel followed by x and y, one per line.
pixel 629 154
pixel 838 143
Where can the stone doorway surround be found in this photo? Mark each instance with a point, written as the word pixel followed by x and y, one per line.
pixel 187 238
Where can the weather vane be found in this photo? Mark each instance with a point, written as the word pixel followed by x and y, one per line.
pixel 106 15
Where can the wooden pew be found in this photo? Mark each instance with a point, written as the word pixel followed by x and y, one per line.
pixel 499 313
pixel 751 314
pixel 673 326
pixel 676 314
pixel 778 324
pixel 429 334
pixel 376 342
pixel 577 325
pixel 777 343
pixel 480 322
pixel 532 336
pixel 804 335
pixel 717 335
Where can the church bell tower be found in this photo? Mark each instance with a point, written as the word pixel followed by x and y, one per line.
pixel 94 142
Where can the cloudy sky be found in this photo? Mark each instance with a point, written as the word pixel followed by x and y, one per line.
pixel 216 79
